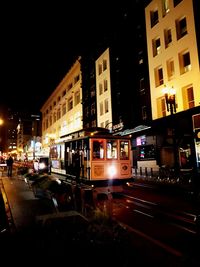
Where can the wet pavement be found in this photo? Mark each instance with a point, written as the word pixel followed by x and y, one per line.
pixel 50 243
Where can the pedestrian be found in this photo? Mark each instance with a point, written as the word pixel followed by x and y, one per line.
pixel 9 162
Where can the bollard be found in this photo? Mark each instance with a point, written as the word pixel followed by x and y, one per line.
pixel 140 170
pixel 135 170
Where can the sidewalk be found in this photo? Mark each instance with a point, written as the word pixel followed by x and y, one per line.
pixel 21 207
pixel 24 206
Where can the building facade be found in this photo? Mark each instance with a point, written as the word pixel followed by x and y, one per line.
pixel 172 28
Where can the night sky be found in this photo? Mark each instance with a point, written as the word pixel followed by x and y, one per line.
pixel 39 43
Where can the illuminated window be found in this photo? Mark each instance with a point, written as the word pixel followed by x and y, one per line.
pixel 111 149
pixel 161 107
pixel 188 97
pixel 156 46
pixel 184 62
pixel 165 4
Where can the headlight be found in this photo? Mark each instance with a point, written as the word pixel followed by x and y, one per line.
pixel 112 171
pixel 42 165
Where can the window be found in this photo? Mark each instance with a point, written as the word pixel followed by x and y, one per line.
pixel 100 69
pixel 188 97
pixel 161 107
pixel 70 85
pixel 94 123
pixel 100 89
pixel 47 125
pixel 111 149
pixel 50 120
pixel 104 64
pixel 93 111
pixel 98 150
pixel 64 110
pixel 63 93
pixel 168 37
pixel 170 69
pixel 184 62
pixel 76 78
pixel 156 46
pixel 101 108
pixel 165 5
pixel 106 105
pixel 54 117
pixel 124 150
pixel 87 112
pixel 144 112
pixel 142 86
pixel 154 17
pixel 70 104
pixel 58 114
pixel 176 2
pixel 105 85
pixel 77 98
pixel 181 28
pixel 158 76
pixel 92 93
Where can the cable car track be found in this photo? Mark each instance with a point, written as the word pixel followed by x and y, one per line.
pixel 140 216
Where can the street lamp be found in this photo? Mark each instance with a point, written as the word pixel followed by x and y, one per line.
pixel 170 99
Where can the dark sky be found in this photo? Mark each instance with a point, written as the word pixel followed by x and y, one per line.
pixel 39 42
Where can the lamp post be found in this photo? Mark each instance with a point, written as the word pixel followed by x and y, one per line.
pixel 170 99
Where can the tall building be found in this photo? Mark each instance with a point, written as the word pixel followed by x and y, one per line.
pixel 62 111
pixel 172 28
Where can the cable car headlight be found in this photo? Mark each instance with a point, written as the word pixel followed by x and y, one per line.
pixel 42 165
pixel 112 170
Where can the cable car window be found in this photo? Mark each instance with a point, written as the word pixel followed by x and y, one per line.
pixel 111 152
pixel 98 150
pixel 124 149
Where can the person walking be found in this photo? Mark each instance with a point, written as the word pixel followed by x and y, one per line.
pixel 9 163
